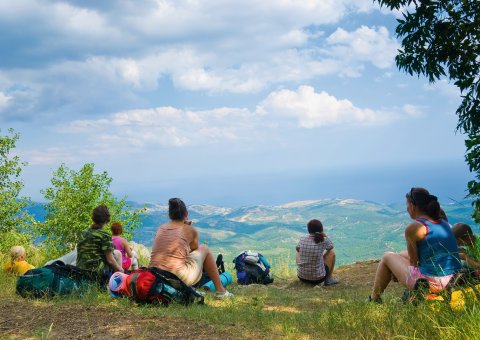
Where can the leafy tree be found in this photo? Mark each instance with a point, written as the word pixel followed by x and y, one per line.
pixel 441 38
pixel 12 205
pixel 14 221
pixel 71 199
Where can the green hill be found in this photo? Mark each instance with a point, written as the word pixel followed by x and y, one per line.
pixel 359 229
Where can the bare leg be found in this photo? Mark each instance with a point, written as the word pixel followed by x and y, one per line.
pixel 391 264
pixel 404 254
pixel 329 260
pixel 210 267
pixel 135 264
pixel 117 255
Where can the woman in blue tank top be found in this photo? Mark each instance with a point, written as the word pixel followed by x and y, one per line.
pixel 432 251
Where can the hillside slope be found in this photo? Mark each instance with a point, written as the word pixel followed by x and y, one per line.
pixel 283 309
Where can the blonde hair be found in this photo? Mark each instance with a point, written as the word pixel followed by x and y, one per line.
pixel 16 252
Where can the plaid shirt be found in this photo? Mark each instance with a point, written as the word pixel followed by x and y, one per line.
pixel 310 260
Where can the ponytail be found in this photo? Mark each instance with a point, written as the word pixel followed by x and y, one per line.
pixel 432 208
pixel 319 237
pixel 315 228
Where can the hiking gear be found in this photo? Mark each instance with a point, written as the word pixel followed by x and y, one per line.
pixel 252 267
pixel 220 264
pixel 329 281
pixel 153 285
pixel 117 284
pixel 205 278
pixel 225 294
pixel 225 278
pixel 55 279
pixel 69 258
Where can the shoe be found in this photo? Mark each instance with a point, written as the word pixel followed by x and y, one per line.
pixel 377 300
pixel 223 295
pixel 331 281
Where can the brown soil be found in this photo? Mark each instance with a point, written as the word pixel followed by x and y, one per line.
pixel 25 319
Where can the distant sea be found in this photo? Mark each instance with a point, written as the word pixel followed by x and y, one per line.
pixel 384 184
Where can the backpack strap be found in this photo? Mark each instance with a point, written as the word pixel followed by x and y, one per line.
pixel 191 295
pixel 74 272
pixel 133 287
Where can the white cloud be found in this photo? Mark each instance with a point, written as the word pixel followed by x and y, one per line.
pixel 165 126
pixel 89 52
pixel 313 109
pixel 49 156
pixel 4 100
pixel 445 88
pixel 413 110
pixel 145 130
pixel 364 45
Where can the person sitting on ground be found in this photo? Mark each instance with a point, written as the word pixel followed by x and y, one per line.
pixel 17 264
pixel 432 252
pixel 121 244
pixel 176 250
pixel 469 245
pixel 95 250
pixel 315 256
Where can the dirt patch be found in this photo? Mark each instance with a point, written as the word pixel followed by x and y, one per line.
pixel 360 274
pixel 25 319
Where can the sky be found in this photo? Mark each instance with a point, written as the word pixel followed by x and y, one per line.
pixel 225 102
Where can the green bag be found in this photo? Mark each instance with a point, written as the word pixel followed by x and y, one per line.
pixel 55 279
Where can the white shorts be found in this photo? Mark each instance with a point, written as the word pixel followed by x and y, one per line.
pixel 192 272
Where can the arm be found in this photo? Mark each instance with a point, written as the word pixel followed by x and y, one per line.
pixel 414 233
pixel 471 262
pixel 194 238
pixel 111 261
pixel 127 248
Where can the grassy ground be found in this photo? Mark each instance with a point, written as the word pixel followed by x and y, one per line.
pixel 285 309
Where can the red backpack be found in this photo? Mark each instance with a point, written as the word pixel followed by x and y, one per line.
pixel 153 285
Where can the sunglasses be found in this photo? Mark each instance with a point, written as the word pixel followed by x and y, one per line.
pixel 410 197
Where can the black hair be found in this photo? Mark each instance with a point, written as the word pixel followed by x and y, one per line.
pixel 176 209
pixel 443 215
pixel 315 227
pixel 101 215
pixel 425 202
pixel 461 230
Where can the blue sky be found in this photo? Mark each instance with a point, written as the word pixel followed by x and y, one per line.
pixel 225 102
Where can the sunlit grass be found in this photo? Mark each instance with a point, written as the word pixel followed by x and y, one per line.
pixel 292 310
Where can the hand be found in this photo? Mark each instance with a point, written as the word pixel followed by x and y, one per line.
pixel 188 222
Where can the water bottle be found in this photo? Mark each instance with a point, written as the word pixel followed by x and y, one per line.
pixel 225 278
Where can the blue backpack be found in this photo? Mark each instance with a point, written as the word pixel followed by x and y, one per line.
pixel 252 268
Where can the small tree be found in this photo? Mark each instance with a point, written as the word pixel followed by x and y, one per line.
pixel 71 200
pixel 441 38
pixel 14 221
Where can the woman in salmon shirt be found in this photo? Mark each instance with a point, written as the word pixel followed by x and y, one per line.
pixel 176 249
